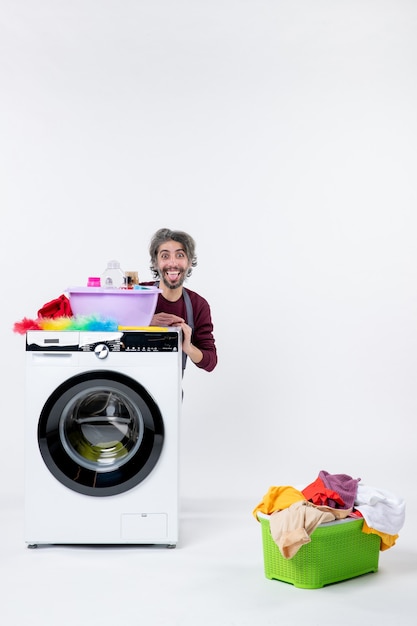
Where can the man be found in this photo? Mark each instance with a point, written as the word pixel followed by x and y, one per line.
pixel 173 256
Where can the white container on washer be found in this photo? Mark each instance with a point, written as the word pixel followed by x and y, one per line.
pixel 113 276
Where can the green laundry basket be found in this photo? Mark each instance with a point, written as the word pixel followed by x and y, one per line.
pixel 337 551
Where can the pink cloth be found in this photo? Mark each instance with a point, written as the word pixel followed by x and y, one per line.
pixel 291 528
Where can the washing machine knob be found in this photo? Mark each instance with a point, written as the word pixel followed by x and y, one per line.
pixel 101 351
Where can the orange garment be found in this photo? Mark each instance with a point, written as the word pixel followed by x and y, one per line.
pixel 278 498
pixel 387 541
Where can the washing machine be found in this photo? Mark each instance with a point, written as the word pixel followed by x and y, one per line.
pixel 101 437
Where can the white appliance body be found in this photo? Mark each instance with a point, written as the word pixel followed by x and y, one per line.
pixel 101 437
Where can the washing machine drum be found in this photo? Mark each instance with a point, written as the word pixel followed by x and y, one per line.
pixel 100 433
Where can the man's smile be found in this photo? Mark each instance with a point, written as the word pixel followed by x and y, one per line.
pixel 173 274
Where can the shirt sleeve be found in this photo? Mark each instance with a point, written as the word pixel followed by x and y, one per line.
pixel 202 336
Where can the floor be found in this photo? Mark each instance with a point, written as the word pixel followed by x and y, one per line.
pixel 214 576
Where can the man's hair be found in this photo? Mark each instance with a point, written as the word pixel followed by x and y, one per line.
pixel 165 234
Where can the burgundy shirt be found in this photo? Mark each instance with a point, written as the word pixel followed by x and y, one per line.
pixel 202 336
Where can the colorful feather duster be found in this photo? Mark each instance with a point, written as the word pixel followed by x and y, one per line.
pixel 80 322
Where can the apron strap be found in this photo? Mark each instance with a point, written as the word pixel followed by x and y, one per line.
pixel 190 318
pixel 190 321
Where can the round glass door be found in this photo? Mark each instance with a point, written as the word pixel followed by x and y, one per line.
pixel 100 433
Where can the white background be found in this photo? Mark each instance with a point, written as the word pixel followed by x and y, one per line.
pixel 282 135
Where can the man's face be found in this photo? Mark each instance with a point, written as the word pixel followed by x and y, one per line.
pixel 172 264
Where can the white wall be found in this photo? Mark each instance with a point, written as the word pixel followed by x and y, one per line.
pixel 282 135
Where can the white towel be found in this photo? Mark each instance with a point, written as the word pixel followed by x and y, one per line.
pixel 381 509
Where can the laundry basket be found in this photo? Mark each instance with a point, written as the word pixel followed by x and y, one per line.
pixel 337 551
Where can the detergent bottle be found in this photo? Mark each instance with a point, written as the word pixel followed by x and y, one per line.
pixel 113 276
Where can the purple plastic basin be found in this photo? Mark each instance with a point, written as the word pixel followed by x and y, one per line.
pixel 128 307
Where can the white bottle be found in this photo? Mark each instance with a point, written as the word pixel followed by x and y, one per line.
pixel 113 277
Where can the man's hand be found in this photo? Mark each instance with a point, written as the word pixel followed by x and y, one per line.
pixel 190 350
pixel 166 319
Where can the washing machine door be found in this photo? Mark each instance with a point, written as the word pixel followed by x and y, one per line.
pixel 100 433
